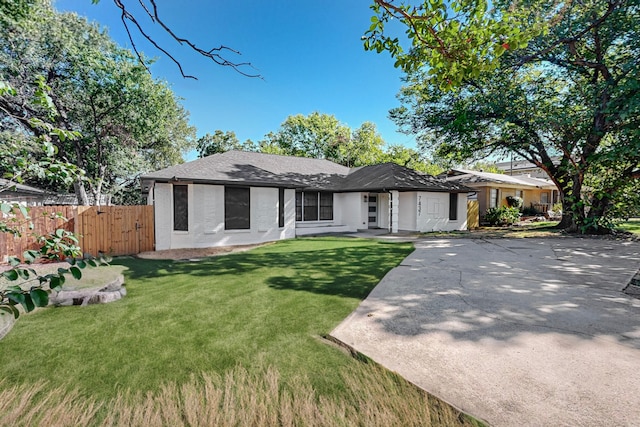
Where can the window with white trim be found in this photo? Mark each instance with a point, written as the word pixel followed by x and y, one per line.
pixel 493 198
pixel 314 206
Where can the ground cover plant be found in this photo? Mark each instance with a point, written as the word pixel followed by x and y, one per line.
pixel 232 340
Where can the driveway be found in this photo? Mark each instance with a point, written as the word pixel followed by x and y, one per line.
pixel 513 331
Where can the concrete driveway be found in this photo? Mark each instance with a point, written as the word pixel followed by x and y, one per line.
pixel 513 331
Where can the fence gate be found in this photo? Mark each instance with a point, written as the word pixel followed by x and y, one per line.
pixel 115 230
pixel 111 230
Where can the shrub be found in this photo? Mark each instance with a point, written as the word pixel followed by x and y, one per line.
pixel 530 211
pixel 515 202
pixel 502 215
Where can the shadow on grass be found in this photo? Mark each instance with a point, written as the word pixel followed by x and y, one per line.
pixel 330 266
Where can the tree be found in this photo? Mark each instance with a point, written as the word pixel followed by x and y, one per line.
pixel 572 91
pixel 129 122
pixel 317 135
pixel 220 142
pixel 484 166
pixel 17 163
pixel 455 40
pixel 411 158
pixel 365 147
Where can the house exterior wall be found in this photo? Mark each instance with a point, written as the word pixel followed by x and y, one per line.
pixel 206 218
pixel 531 197
pixel 383 210
pixel 415 211
pixel 347 215
pixel 348 210
pixel 433 212
pixel 407 211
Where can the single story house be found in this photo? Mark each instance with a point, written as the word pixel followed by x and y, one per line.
pixel 492 189
pixel 238 197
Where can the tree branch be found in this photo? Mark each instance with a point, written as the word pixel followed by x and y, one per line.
pixel 398 12
pixel 612 6
pixel 213 54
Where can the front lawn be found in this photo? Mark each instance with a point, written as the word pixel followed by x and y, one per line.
pixel 632 225
pixel 214 340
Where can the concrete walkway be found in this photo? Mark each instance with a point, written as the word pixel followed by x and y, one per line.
pixel 515 332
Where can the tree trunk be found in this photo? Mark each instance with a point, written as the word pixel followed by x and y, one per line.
pixel 571 198
pixel 81 193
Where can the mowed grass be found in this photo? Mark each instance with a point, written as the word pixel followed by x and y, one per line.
pixel 632 225
pixel 232 340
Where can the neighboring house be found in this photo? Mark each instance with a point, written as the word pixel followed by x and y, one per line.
pixel 524 167
pixel 240 197
pixel 32 196
pixel 20 193
pixel 493 188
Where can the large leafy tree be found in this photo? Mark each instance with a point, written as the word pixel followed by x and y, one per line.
pixel 567 85
pixel 220 142
pixel 130 123
pixel 317 135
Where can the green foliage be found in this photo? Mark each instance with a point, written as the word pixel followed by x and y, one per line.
pixel 575 98
pixel 17 162
pixel 412 159
pixel 30 289
pixel 323 136
pixel 455 40
pixel 221 142
pixel 515 202
pixel 502 216
pixel 129 122
pixel 489 167
pixel 317 135
pixel 266 305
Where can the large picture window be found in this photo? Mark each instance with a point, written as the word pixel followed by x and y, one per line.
pixel 314 206
pixel 237 208
pixel 181 207
pixel 310 206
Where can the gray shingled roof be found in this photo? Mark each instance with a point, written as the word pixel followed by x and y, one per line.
pixel 21 188
pixel 259 169
pixel 465 176
pixel 251 168
pixel 391 176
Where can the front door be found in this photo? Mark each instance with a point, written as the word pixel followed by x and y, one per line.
pixel 373 210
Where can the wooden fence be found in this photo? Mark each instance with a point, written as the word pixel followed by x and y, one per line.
pixel 111 230
pixel 473 214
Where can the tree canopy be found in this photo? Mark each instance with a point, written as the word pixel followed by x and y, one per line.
pixel 571 90
pixel 129 122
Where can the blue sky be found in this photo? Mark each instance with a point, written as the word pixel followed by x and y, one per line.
pixel 308 51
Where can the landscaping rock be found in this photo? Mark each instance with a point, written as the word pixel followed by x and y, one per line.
pixel 113 291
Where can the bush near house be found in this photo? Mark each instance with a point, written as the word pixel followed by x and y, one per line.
pixel 502 215
pixel 515 202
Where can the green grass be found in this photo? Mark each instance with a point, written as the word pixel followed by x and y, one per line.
pixel 632 225
pixel 256 311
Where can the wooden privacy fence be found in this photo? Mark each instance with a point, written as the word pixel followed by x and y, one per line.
pixel 473 214
pixel 111 230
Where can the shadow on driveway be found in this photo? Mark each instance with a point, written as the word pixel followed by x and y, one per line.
pixel 515 332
